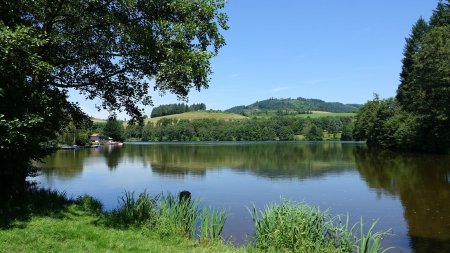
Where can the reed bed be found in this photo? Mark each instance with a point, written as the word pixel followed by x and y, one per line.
pixel 166 214
pixel 297 227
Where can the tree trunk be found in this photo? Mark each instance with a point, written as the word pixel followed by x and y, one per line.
pixel 13 174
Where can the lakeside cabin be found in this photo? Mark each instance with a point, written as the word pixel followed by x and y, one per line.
pixel 97 138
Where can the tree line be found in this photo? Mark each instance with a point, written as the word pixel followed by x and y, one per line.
pixel 171 109
pixel 255 129
pixel 418 118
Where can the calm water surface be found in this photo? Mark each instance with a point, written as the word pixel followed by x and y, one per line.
pixel 409 193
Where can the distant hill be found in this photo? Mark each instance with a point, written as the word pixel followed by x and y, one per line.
pixel 298 105
pixel 200 115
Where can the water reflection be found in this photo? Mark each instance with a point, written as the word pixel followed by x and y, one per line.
pixel 273 160
pixel 422 183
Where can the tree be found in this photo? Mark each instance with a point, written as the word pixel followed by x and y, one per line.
pixel 432 89
pixel 419 117
pixel 441 15
pixel 112 49
pixel 114 129
pixel 313 133
pixel 405 92
pixel 425 93
pixel 347 131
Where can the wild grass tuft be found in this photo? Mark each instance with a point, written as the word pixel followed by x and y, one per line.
pixel 297 227
pixel 371 241
pixel 212 224
pixel 178 216
pixel 90 204
pixel 134 212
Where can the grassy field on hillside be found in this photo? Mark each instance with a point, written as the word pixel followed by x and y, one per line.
pixel 200 115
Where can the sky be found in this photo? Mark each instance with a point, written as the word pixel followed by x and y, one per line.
pixel 337 51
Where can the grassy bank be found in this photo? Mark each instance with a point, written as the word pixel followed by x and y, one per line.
pixel 47 221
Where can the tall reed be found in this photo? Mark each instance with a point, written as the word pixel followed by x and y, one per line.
pixel 297 227
pixel 134 212
pixel 179 216
pixel 212 223
pixel 371 241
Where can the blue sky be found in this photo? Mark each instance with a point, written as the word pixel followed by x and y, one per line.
pixel 337 51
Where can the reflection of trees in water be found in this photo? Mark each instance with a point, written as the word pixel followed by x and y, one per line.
pixel 264 159
pixel 113 156
pixel 423 183
pixel 64 163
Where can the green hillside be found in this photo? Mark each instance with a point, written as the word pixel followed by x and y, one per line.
pixel 293 106
pixel 200 115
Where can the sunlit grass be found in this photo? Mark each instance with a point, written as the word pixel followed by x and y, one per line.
pixel 297 227
pixel 200 115
pixel 50 222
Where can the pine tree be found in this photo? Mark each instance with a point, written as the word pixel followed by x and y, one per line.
pixel 441 15
pixel 405 92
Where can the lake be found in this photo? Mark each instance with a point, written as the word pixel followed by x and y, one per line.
pixel 409 193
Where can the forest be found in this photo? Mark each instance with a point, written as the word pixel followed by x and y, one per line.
pixel 171 109
pixel 255 129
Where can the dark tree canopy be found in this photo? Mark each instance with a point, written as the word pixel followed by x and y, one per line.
pixel 419 118
pixel 115 50
pixel 112 49
pixel 171 109
pixel 114 129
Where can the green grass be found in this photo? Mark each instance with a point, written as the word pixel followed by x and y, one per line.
pixel 297 227
pixel 78 231
pixel 200 115
pixel 97 120
pixel 46 221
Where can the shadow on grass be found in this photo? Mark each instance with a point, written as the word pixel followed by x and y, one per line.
pixel 33 202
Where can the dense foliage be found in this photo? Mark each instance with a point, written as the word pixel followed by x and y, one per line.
pixel 292 106
pixel 419 117
pixel 171 109
pixel 112 50
pixel 114 129
pixel 256 129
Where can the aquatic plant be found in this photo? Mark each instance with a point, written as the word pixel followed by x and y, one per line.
pixel 212 223
pixel 179 216
pixel 297 227
pixel 134 212
pixel 371 241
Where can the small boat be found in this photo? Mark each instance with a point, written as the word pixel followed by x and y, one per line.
pixel 68 147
